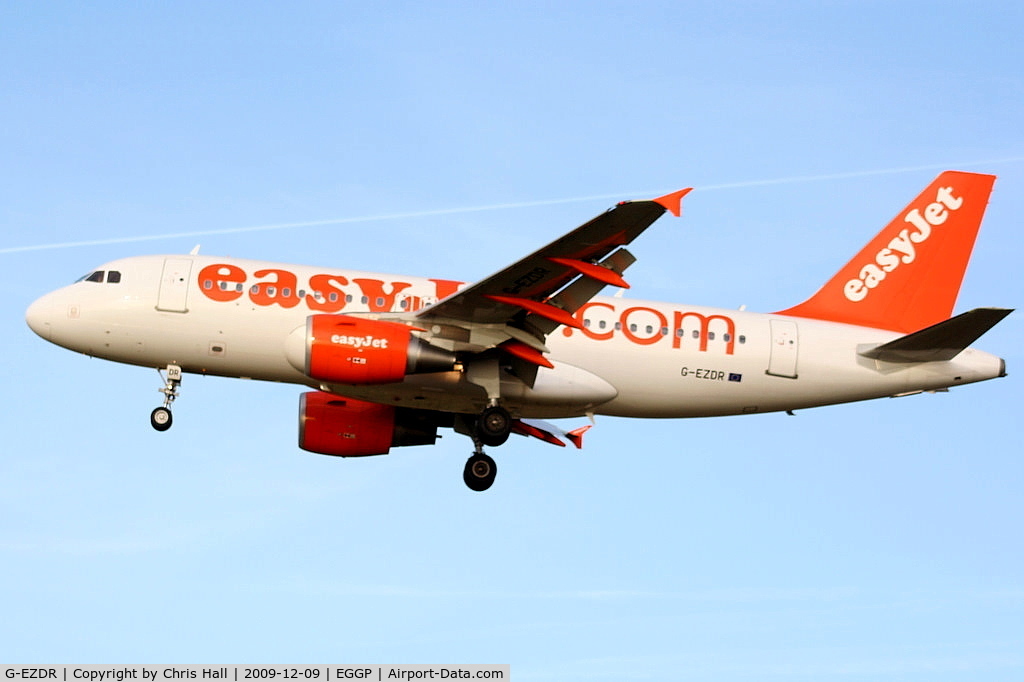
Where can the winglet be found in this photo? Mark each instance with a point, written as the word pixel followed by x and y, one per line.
pixel 576 436
pixel 673 202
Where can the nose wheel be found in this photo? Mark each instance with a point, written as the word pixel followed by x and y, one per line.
pixel 161 418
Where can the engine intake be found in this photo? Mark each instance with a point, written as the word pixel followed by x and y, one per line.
pixel 352 350
pixel 343 427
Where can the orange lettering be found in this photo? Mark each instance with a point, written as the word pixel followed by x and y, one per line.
pixel 379 301
pixel 581 316
pixel 445 287
pixel 662 322
pixel 282 291
pixel 219 282
pixel 333 298
pixel 705 323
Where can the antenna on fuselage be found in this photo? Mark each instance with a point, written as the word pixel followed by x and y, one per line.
pixel 194 251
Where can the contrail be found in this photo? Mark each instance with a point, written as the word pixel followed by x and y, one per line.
pixel 496 207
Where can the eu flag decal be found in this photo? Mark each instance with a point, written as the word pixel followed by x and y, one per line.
pixel 735 377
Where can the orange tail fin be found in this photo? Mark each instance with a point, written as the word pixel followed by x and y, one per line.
pixel 908 277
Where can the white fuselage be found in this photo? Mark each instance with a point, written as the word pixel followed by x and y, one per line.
pixel 233 317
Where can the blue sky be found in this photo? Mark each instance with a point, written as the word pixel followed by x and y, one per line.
pixel 872 541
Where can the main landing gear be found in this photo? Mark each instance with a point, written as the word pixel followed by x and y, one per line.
pixel 480 471
pixel 160 418
pixel 492 427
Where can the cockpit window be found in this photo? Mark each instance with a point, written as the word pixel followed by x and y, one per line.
pixel 112 277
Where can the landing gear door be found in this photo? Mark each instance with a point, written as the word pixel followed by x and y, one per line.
pixel 173 295
pixel 785 347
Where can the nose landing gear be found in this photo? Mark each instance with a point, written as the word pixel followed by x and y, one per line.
pixel 160 418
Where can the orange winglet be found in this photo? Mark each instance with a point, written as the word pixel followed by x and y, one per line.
pixel 673 202
pixel 576 436
pixel 545 310
pixel 528 430
pixel 601 274
pixel 524 352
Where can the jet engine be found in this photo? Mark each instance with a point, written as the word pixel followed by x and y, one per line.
pixel 344 349
pixel 333 425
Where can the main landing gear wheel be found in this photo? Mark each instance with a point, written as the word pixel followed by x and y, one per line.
pixel 160 419
pixel 493 426
pixel 480 472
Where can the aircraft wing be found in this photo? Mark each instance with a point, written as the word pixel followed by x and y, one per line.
pixel 541 291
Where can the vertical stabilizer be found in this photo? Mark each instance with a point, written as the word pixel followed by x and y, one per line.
pixel 908 277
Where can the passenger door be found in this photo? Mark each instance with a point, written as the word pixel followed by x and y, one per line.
pixel 173 296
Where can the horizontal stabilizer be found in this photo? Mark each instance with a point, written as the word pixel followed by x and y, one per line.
pixel 942 341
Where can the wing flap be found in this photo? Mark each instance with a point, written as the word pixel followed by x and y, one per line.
pixel 545 272
pixel 576 295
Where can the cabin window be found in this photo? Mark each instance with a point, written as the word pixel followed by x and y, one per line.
pixel 696 334
pixel 742 338
pixel 601 324
pixel 255 289
pixel 711 336
pixel 286 292
pixel 586 323
pixel 380 301
pixel 364 300
pixel 664 331
pixel 207 284
pixel 348 297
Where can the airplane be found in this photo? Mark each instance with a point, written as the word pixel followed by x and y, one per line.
pixel 391 359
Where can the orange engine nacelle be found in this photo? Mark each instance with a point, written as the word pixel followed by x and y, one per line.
pixel 352 350
pixel 333 425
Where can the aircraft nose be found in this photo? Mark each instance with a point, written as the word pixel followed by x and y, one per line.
pixel 39 316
